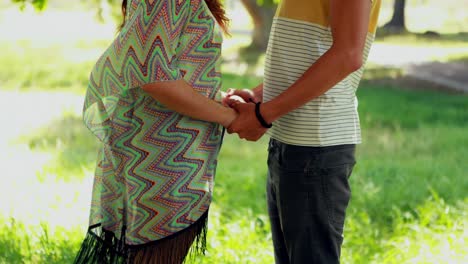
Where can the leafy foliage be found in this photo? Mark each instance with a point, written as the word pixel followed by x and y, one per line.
pixel 38 4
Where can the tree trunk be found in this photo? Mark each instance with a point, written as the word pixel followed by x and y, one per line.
pixel 397 23
pixel 262 17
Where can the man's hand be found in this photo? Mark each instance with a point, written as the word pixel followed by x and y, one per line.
pixel 246 123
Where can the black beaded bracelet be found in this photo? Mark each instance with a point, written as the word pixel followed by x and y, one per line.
pixel 260 117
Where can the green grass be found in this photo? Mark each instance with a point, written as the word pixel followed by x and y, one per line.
pixel 409 187
pixel 411 139
pixel 71 145
pixel 409 201
pixel 36 244
pixel 28 66
pixel 461 59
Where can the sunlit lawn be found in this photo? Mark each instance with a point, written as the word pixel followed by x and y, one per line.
pixel 409 201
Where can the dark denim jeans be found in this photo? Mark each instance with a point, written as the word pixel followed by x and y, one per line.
pixel 308 193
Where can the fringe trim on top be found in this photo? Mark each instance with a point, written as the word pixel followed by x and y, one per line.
pixel 102 247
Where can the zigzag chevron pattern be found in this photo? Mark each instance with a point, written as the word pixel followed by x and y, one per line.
pixel 156 168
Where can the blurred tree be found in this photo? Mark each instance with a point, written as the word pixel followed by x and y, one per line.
pixel 397 23
pixel 262 12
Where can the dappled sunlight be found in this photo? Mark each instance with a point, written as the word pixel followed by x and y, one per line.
pixel 24 196
pixel 247 227
pixel 74 148
pixel 27 111
pixel 439 230
pixel 53 26
pixel 433 232
pixel 33 202
pixel 64 204
pixel 409 201
pixel 402 54
pixel 56 67
pixel 379 72
pixel 443 16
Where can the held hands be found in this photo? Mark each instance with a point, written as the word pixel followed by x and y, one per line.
pixel 246 125
pixel 246 94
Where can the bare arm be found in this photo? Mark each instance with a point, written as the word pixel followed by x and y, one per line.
pixel 349 20
pixel 179 96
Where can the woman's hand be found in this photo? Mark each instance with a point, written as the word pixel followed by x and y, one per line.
pixel 229 100
pixel 245 94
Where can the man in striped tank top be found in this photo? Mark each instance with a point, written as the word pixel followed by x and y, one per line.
pixel 308 105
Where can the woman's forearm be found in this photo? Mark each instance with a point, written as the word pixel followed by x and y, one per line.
pixel 179 96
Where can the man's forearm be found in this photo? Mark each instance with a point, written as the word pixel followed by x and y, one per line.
pixel 326 72
pixel 349 21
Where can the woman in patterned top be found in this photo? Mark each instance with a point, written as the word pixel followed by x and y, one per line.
pixel 151 102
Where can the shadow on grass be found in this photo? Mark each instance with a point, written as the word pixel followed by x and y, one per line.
pixel 410 138
pixel 410 161
pixel 71 144
pixel 402 107
pixel 462 60
pixel 410 175
pixel 410 152
pixel 429 37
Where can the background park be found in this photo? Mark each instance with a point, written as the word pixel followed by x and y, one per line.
pixel 410 185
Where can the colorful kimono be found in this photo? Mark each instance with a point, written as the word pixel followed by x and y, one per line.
pixel 155 170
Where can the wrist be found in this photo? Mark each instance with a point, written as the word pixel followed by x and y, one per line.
pixel 228 116
pixel 268 113
pixel 260 117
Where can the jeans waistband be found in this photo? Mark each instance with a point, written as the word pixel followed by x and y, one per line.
pixel 287 155
pixel 319 149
